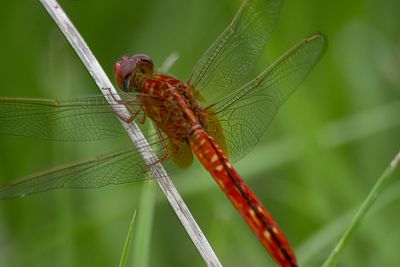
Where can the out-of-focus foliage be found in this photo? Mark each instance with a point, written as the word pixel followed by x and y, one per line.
pixel 318 161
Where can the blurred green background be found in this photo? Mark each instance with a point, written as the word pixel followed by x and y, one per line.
pixel 320 158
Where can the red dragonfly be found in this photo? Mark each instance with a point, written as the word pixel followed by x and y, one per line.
pixel 211 116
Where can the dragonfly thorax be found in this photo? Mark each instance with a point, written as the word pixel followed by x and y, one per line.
pixel 171 105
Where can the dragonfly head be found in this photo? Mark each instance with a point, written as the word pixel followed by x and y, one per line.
pixel 131 72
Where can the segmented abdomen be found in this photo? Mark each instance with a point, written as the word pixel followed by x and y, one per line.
pixel 244 200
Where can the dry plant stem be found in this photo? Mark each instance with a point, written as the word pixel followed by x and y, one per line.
pixel 133 131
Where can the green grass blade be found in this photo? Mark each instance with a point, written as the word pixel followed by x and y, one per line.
pixel 141 252
pixel 128 240
pixel 169 62
pixel 309 251
pixel 369 201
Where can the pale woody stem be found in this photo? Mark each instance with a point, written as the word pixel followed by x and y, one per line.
pixel 133 131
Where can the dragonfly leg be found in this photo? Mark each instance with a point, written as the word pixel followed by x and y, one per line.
pixel 170 150
pixel 131 118
pixel 167 154
pixel 143 119
pixel 119 101
pixel 163 158
pixel 126 103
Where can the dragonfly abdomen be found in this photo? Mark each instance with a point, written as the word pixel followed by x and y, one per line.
pixel 241 196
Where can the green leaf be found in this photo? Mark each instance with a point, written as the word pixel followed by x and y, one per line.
pixel 128 240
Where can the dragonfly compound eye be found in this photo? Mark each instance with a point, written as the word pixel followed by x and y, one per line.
pixel 123 71
pixel 144 64
pixel 131 72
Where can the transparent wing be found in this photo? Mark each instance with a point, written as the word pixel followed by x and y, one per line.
pixel 115 168
pixel 245 114
pixel 82 119
pixel 124 166
pixel 235 52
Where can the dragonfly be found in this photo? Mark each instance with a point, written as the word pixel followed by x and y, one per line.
pixel 215 116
